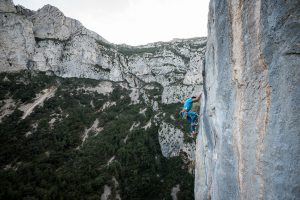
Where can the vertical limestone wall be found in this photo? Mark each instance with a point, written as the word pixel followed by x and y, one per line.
pixel 249 143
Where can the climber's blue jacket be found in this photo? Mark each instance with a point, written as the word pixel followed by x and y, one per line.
pixel 188 104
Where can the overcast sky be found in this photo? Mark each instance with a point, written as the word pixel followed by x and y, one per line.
pixel 134 22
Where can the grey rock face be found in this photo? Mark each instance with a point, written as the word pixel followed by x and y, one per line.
pixel 249 145
pixel 171 142
pixel 177 93
pixel 7 6
pixel 50 22
pixel 24 11
pixel 16 42
pixel 46 40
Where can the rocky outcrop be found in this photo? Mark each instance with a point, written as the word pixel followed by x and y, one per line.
pixel 7 6
pixel 50 23
pixel 177 93
pixel 16 41
pixel 249 144
pixel 172 143
pixel 46 40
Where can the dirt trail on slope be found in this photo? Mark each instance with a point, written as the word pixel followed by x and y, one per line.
pixel 41 97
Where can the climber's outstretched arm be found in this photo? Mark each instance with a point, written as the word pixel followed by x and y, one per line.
pixel 197 98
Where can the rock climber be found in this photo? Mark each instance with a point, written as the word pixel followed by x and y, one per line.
pixel 191 117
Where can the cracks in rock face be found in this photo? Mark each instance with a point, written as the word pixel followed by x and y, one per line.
pixel 248 69
pixel 206 125
pixel 238 64
pixel 208 133
pixel 55 40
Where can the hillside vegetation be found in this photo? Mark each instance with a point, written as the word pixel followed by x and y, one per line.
pixel 79 141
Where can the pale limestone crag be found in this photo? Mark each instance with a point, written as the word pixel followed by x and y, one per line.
pixel 171 140
pixel 46 40
pixel 7 6
pixel 16 40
